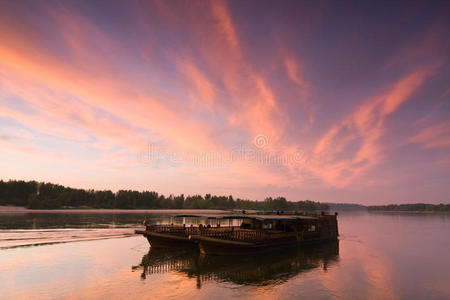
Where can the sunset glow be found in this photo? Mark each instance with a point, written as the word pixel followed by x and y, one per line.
pixel 324 101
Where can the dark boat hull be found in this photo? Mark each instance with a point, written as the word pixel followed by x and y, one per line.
pixel 163 240
pixel 223 247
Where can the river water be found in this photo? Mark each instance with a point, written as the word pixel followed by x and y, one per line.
pixel 95 255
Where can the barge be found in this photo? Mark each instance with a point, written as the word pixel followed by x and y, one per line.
pixel 256 234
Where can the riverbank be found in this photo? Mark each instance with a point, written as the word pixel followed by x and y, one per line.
pixel 22 210
pixel 409 212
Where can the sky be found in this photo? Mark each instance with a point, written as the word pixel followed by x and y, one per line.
pixel 332 101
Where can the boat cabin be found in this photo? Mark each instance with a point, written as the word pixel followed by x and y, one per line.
pixel 281 223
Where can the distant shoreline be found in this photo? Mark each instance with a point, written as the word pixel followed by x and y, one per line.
pixel 409 211
pixel 21 210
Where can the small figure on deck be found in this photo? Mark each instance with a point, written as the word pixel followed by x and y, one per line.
pixel 145 224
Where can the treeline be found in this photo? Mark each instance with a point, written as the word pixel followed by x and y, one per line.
pixel 346 207
pixel 50 196
pixel 411 207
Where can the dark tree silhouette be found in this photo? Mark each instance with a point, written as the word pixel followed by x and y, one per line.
pixel 47 195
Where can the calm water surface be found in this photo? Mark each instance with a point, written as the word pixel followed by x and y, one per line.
pixel 87 256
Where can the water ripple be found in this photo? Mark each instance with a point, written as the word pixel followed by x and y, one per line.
pixel 26 238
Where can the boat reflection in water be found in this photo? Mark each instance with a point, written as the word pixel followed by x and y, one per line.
pixel 262 269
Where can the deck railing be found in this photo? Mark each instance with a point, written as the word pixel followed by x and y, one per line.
pixel 227 233
pixel 173 229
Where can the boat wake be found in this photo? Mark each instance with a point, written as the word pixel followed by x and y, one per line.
pixel 27 238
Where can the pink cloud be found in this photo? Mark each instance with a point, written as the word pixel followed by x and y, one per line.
pixel 294 72
pixel 363 127
pixel 434 136
pixel 101 90
pixel 203 89
pixel 225 24
pixel 14 145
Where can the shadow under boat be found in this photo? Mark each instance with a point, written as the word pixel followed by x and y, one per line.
pixel 260 269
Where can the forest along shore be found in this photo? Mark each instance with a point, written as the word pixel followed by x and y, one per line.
pixel 40 195
pixel 21 210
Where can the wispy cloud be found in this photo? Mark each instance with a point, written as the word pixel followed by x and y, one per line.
pixel 434 136
pixel 201 79
pixel 353 146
